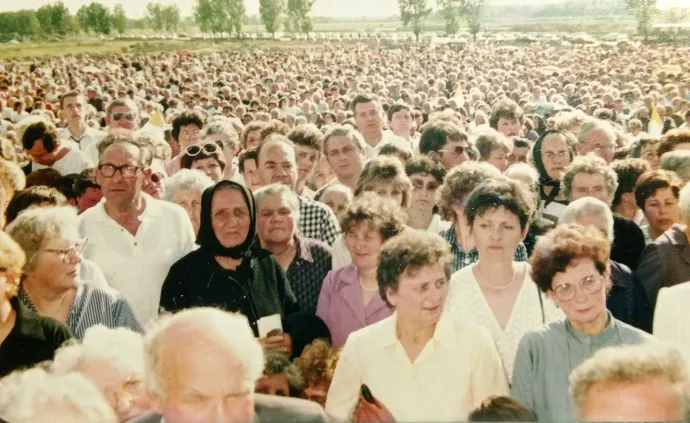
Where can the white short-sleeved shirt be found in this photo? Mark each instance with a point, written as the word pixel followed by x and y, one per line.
pixel 137 265
pixel 457 369
pixel 91 136
pixel 73 162
pixel 466 301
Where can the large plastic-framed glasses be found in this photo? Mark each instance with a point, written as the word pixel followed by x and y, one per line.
pixel 195 150
pixel 589 285
pixel 69 253
pixel 127 171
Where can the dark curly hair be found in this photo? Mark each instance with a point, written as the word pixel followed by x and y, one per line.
pixel 563 247
pixel 501 191
pixel 628 171
pixel 383 213
pixel 672 138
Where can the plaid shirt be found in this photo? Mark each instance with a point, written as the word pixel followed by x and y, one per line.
pixel 317 221
pixel 462 259
pixel 307 271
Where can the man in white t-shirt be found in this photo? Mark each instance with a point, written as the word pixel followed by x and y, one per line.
pixel 369 120
pixel 73 107
pixel 41 140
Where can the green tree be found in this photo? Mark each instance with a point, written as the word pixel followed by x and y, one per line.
pixel 155 14
pixel 203 16
pixel 644 11
pixel 413 13
pixel 236 14
pixel 119 19
pixel 55 19
pixel 298 16
pixel 98 18
pixel 271 12
pixel 450 15
pixel 20 24
pixel 82 18
pixel 171 17
pixel 473 12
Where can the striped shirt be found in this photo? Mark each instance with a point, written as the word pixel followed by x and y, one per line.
pixel 94 305
pixel 463 259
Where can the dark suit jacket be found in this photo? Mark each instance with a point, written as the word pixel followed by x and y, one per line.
pixel 628 242
pixel 271 409
pixel 665 262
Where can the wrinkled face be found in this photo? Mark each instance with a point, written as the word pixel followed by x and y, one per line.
pixel 584 308
pixel 497 234
pixel 89 198
pixel 122 117
pixel 364 242
pixel 209 167
pixel 589 185
pixel 337 201
pixel 57 267
pixel 307 158
pixel 454 153
pixel 40 155
pixel 661 209
pixel 421 295
pixel 277 165
pixel 154 185
pixel 230 217
pixel 207 389
pixel 499 159
pixel 73 109
pixel 189 135
pixel 190 201
pixel 424 187
pixel 652 401
pixel 368 117
pixel 555 156
pixel 123 389
pixel 401 123
pixel 251 175
pixel 276 384
pixel 276 221
pixel 117 188
pixel 509 127
pixel 518 155
pixel 344 157
pixel 600 143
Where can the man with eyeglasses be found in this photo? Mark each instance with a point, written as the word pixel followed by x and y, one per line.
pixel 133 237
pixel 445 142
pixel 597 136
pixel 121 114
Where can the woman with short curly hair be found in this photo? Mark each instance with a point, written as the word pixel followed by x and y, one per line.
pixel 570 264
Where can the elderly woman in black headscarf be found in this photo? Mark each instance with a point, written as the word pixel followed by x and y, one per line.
pixel 551 155
pixel 228 272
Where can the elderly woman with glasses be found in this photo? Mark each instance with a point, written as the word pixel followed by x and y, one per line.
pixel 52 284
pixel 26 338
pixel 207 158
pixel 571 265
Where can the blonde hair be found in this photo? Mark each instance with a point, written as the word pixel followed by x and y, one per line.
pixel 12 261
pixel 633 364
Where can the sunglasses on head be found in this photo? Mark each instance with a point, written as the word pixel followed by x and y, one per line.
pixel 118 116
pixel 195 150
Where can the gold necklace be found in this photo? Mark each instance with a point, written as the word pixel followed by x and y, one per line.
pixel 498 288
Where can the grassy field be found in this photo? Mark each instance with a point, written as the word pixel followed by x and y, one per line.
pixel 26 51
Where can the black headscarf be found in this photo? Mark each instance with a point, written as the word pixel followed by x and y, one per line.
pixel 544 178
pixel 207 239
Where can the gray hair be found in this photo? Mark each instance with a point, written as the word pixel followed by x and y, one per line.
pixel 230 331
pixel 518 170
pixel 185 179
pixel 592 165
pixel 588 205
pixel 119 347
pixel 633 364
pixel 677 161
pixel 344 131
pixel 122 102
pixel 124 137
pixel 222 126
pixel 593 124
pixel 36 395
pixel 33 227
pixel 282 191
pixel 337 187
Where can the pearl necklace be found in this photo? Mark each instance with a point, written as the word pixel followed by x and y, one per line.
pixel 498 288
pixel 365 288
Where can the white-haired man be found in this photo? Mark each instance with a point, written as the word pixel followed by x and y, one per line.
pixel 210 378
pixel 638 383
pixel 597 136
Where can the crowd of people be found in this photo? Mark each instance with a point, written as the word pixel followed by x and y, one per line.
pixel 346 234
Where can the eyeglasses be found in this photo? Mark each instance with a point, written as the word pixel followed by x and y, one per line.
pixel 117 116
pixel 590 285
pixel 550 155
pixel 68 254
pixel 157 177
pixel 195 150
pixel 457 150
pixel 127 171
